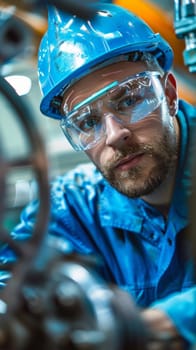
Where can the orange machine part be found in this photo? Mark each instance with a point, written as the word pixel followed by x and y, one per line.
pixel 162 22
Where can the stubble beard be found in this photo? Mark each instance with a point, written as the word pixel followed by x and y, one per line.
pixel 133 183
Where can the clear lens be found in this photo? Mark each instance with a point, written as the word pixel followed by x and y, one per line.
pixel 129 101
pixel 83 129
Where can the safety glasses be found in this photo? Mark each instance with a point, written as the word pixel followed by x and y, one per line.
pixel 128 101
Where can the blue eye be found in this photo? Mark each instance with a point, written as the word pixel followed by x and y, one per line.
pixel 127 103
pixel 88 123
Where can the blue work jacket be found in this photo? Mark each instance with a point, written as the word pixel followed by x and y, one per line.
pixel 142 253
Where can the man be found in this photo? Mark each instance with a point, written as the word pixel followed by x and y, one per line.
pixel 109 83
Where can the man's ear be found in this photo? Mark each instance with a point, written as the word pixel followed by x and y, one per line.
pixel 171 93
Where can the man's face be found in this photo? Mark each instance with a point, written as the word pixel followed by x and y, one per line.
pixel 134 158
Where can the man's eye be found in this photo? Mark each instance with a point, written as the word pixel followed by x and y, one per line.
pixel 88 123
pixel 127 103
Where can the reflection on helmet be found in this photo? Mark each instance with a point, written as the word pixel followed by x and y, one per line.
pixel 72 46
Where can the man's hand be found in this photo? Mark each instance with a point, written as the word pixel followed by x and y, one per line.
pixel 164 334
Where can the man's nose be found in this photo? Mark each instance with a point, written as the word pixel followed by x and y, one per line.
pixel 117 134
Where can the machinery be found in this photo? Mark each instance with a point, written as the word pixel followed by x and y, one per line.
pixel 185 28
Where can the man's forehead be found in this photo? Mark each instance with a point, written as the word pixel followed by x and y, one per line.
pixel 121 69
pixel 96 95
pixel 97 81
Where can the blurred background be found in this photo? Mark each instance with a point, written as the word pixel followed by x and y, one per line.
pixel 22 31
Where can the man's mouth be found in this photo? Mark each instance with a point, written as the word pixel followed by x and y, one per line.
pixel 129 161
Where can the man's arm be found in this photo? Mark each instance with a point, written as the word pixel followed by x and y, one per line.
pixel 174 317
pixel 164 333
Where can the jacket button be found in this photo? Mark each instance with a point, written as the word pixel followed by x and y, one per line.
pixel 169 241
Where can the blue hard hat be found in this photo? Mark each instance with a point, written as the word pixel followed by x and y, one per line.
pixel 72 46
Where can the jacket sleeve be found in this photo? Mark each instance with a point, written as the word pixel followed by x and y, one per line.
pixel 181 309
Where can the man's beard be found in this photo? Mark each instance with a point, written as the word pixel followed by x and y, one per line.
pixel 132 182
